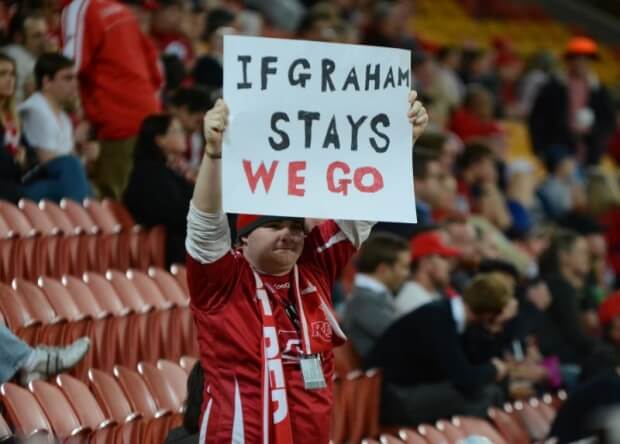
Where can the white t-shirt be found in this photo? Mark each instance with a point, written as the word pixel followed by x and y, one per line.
pixel 43 128
pixel 411 296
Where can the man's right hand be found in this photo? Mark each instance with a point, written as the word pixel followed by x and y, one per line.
pixel 214 125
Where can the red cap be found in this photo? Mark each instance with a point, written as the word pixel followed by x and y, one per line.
pixel 430 243
pixel 610 308
pixel 246 223
pixel 581 46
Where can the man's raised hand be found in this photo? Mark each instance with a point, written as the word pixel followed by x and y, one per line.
pixel 214 124
pixel 417 115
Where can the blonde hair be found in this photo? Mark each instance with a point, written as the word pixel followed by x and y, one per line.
pixel 488 293
pixel 603 191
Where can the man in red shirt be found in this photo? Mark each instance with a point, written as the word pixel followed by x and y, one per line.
pixel 119 78
pixel 263 311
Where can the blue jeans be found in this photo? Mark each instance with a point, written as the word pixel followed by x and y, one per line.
pixel 62 177
pixel 13 353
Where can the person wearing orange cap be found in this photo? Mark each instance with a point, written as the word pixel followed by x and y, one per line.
pixel 430 264
pixel 263 311
pixel 574 109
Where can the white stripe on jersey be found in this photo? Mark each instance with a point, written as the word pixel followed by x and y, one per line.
pixel 73 30
pixel 338 237
pixel 238 433
pixel 205 423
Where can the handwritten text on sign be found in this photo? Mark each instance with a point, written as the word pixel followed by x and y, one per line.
pixel 317 130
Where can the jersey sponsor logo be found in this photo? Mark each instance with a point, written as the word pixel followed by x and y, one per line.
pixel 321 330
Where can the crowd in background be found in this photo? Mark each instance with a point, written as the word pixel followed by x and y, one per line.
pixel 106 99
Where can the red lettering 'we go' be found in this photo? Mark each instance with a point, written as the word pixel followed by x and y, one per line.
pixel 264 175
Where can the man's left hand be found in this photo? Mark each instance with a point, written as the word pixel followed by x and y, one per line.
pixel 417 115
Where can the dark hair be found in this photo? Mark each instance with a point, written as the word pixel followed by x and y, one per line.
pixel 445 51
pixel 216 19
pixel 555 155
pixel 380 248
pixel 153 126
pixel 487 294
pixel 48 65
pixel 433 141
pixel 473 153
pixel 195 98
pixel 195 387
pixel 499 266
pixel 18 21
pixel 422 157
pixel 563 241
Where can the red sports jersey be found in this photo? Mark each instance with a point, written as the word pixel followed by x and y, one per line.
pixel 117 66
pixel 229 324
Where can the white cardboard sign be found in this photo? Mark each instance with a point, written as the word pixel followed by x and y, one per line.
pixel 317 130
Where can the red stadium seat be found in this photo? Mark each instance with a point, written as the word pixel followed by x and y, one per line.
pixel 165 395
pixel 452 432
pixel 175 376
pixel 187 363
pixel 432 435
pixel 534 421
pixel 120 242
pixel 389 439
pixel 12 259
pixel 480 427
pixel 169 286
pixel 5 431
pixel 509 427
pixel 180 273
pixel 59 412
pixel 346 359
pixel 34 247
pixel 409 436
pixel 17 316
pixel 24 412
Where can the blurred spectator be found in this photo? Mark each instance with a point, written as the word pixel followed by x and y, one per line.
pixel 446 147
pixel 609 316
pixel 319 24
pixel 281 14
pixel 430 272
pixel 509 70
pixel 166 29
pixel 389 27
pixel 188 432
pixel 540 67
pixel 478 185
pixel 29 34
pixel 48 130
pixel 560 192
pixel 565 267
pixel 477 69
pixel 449 87
pixel 475 120
pixel 382 267
pixel 189 105
pixel 432 378
pixel 426 175
pixel 119 80
pixel 157 194
pixel 574 110
pixel 525 209
pixel 12 155
pixel 208 70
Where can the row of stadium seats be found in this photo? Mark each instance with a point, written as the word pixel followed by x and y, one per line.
pixel 356 413
pixel 72 238
pixel 124 406
pixel 129 316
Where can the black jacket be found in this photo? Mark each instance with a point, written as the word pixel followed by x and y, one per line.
pixel 424 347
pixel 157 195
pixel 549 120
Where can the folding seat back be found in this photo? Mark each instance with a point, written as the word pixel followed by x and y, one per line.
pixel 187 363
pixel 389 439
pixel 175 376
pixel 120 213
pixel 546 410
pixel 59 218
pixel 79 216
pixel 36 302
pixel 432 435
pixel 346 359
pixel 409 436
pixel 60 299
pixel 102 217
pixel 149 290
pixel 39 220
pixel 111 397
pixel 127 291
pixel 180 273
pixel 5 431
pixel 165 395
pixel 58 410
pixel 137 392
pixel 169 286
pixel 534 421
pixel 16 313
pixel 83 297
pixel 84 404
pixel 24 412
pixel 11 260
pixel 105 294
pixel 509 427
pixel 451 431
pixel 16 220
pixel 480 427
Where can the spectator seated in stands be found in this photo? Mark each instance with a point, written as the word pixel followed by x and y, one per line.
pixel 18 358
pixel 430 272
pixel 474 121
pixel 12 154
pixel 157 194
pixel 188 432
pixel 188 105
pixel 426 373
pixel 561 191
pixel 382 268
pixel 525 209
pixel 47 128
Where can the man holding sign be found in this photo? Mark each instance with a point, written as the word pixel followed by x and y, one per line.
pixel 263 311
